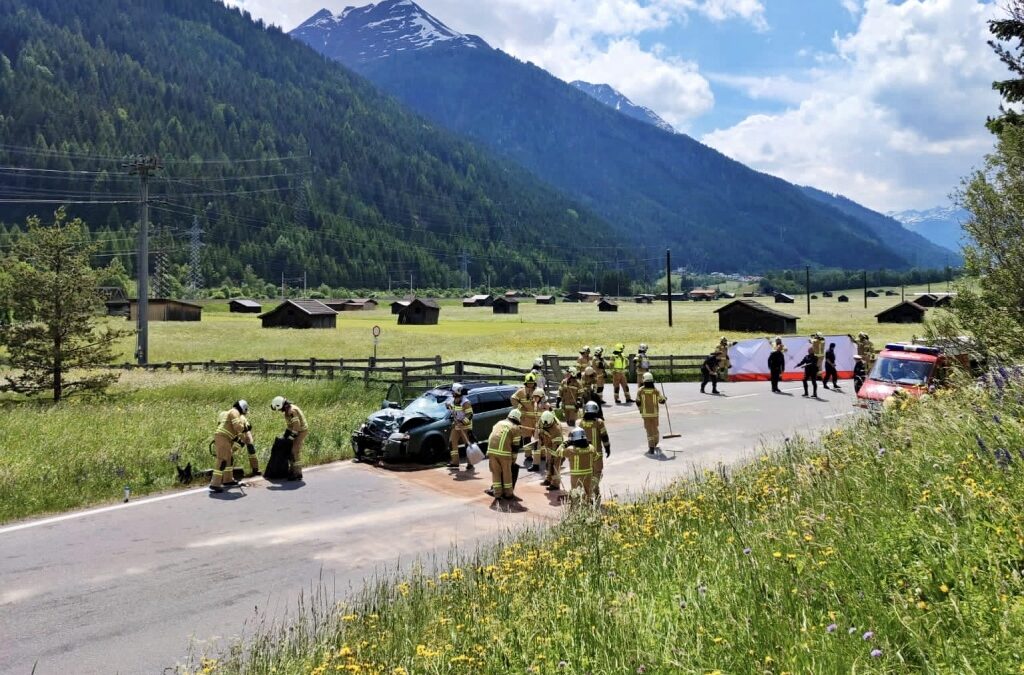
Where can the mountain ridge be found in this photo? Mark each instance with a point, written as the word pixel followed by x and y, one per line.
pixel 615 99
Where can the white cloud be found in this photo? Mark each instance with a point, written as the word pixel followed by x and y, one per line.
pixel 895 120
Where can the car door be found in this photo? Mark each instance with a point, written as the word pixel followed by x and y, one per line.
pixel 490 407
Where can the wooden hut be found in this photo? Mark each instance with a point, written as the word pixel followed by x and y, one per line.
pixel 891 294
pixel 871 294
pixel 826 294
pixel 752 317
pixel 398 305
pixel 933 299
pixel 843 298
pixel 420 312
pixel 676 296
pixel 116 300
pixel 243 306
pixel 643 299
pixel 782 298
pixel 351 304
pixel 300 314
pixel 505 305
pixel 606 305
pixel 478 301
pixel 163 309
pixel 814 297
pixel 706 294
pixel 545 299
pixel 905 312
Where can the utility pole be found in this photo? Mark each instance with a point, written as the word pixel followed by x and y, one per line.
pixel 807 285
pixel 195 245
pixel 865 289
pixel 304 293
pixel 668 282
pixel 282 287
pixel 903 293
pixel 143 167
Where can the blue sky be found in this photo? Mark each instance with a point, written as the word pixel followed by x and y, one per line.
pixel 883 101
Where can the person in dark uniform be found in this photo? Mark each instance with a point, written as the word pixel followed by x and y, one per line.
pixel 831 374
pixel 709 373
pixel 810 366
pixel 777 364
pixel 859 372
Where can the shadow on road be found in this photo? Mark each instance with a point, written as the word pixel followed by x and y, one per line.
pixel 508 506
pixel 286 485
pixel 466 476
pixel 227 495
pixel 661 457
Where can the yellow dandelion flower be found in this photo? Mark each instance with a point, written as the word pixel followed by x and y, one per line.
pixel 944 588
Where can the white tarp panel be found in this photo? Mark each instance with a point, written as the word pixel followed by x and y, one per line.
pixel 749 358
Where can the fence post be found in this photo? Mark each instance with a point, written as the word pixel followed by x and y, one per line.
pixel 460 369
pixel 330 373
pixel 672 367
pixel 234 366
pixel 437 363
pixel 405 375
pixel 631 368
pixel 263 367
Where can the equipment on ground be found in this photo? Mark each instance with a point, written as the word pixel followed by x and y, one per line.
pixel 668 417
pixel 474 455
pixel 280 463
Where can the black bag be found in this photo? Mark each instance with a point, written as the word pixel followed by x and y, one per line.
pixel 279 465
pixel 515 473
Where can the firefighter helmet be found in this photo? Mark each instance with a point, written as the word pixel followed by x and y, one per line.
pixel 589 372
pixel 599 351
pixel 548 418
pixel 619 348
pixel 530 378
pixel 591 408
pixel 515 415
pixel 643 348
pixel 585 349
pixel 242 406
pixel 458 389
pixel 278 403
pixel 538 362
pixel 578 438
pixel 648 378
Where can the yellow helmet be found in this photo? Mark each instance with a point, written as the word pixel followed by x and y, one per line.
pixel 530 378
pixel 619 348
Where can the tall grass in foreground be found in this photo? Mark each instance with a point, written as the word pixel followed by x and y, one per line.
pixel 893 545
pixel 85 451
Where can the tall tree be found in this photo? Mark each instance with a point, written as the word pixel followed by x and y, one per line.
pixel 1009 47
pixel 56 341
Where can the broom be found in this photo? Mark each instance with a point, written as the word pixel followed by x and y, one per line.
pixel 668 417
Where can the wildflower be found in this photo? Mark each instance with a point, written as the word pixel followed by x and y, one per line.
pixel 563 664
pixel 870 634
pixel 853 629
pixel 875 653
pixel 981 443
pixel 746 551
pixel 881 452
pixel 997 419
pixel 641 669
pixel 777 554
pixel 921 604
pixel 944 588
pixel 702 590
pixel 831 628
pixel 1003 458
pixel 682 605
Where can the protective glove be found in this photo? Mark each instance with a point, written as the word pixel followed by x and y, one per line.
pixel 607 451
pixel 248 427
pixel 289 434
pixel 251 448
pixel 637 401
pixel 558 402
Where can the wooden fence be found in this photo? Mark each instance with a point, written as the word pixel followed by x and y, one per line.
pixel 667 368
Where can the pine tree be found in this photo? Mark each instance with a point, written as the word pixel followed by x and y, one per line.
pixel 55 301
pixel 1009 47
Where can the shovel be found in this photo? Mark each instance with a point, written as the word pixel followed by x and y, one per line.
pixel 668 417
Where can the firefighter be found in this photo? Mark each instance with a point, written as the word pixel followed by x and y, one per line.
pixel 709 373
pixel 642 364
pixel 620 364
pixel 538 370
pixel 569 397
pixel 810 366
pixel 600 369
pixel 777 364
pixel 818 342
pixel 723 359
pixel 505 436
pixel 549 439
pixel 597 435
pixel 583 362
pixel 232 427
pixel 461 412
pixel 525 401
pixel 831 373
pixel 588 387
pixel 580 453
pixel 296 429
pixel 650 401
pixel 859 373
pixel 866 350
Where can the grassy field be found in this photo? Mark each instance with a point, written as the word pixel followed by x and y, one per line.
pixel 892 546
pixel 85 451
pixel 479 335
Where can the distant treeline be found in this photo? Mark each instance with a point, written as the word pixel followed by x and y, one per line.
pixel 794 281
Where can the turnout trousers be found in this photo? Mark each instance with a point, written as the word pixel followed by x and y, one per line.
pixel 458 435
pixel 297 444
pixel 223 471
pixel 619 380
pixel 651 427
pixel 583 483
pixel 501 475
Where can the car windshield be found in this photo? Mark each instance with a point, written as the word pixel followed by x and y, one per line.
pixel 430 404
pixel 899 371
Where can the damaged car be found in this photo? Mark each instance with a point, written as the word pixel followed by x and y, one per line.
pixel 419 431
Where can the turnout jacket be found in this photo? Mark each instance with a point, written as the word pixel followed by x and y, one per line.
pixel 295 420
pixel 462 413
pixel 569 393
pixel 233 424
pixel 648 399
pixel 581 460
pixel 596 431
pixel 503 438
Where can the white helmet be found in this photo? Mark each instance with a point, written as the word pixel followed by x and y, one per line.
pixel 278 403
pixel 515 415
pixel 643 347
pixel 538 362
pixel 547 418
pixel 648 378
pixel 458 389
pixel 242 406
pixel 591 408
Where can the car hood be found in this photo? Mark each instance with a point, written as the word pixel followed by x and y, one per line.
pixel 390 420
pixel 874 390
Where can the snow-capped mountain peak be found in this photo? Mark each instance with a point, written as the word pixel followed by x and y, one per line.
pixel 617 100
pixel 375 31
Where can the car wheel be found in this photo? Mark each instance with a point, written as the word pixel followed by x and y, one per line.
pixel 433 450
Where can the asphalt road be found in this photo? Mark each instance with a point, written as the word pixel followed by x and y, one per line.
pixel 129 588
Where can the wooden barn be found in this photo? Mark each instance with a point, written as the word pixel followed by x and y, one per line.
pixel 784 299
pixel 420 312
pixel 163 309
pixel 871 294
pixel 351 304
pixel 606 305
pixel 116 300
pixel 478 301
pixel 398 305
pixel 582 296
pixel 891 294
pixel 505 305
pixel 676 296
pixel 905 312
pixel 826 294
pixel 706 294
pixel 243 306
pixel 300 314
pixel 545 299
pixel 751 316
pixel 933 299
pixel 843 298
pixel 643 299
